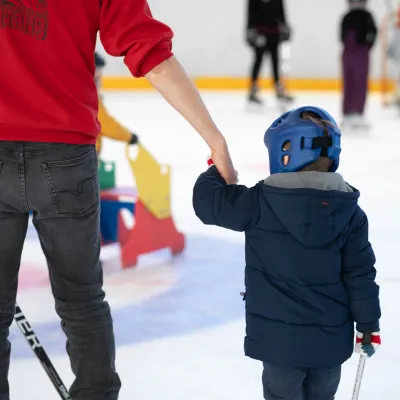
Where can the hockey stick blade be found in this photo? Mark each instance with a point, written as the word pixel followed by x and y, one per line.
pixel 40 353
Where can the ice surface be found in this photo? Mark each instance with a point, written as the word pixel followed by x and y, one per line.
pixel 180 323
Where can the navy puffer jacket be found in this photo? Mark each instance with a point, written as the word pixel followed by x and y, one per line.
pixel 309 265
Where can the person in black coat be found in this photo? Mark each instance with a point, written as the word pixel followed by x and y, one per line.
pixel 310 271
pixel 266 29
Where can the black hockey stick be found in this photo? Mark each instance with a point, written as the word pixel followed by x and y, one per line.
pixel 37 348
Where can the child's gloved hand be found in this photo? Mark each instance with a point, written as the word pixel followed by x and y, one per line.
pixel 285 33
pixel 367 343
pixel 210 163
pixel 134 139
pixel 132 149
pixel 254 39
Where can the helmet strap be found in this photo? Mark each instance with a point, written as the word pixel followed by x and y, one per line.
pixel 319 142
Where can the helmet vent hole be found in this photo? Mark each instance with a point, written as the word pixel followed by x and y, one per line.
pixel 285 160
pixel 286 146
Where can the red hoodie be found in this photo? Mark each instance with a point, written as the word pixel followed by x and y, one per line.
pixel 47 89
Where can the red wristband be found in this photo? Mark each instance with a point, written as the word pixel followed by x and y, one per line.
pixel 210 162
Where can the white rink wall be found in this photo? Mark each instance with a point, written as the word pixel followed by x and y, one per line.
pixel 209 37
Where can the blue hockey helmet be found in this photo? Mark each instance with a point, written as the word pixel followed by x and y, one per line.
pixel 301 140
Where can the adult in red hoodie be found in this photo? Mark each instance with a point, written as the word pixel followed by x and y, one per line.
pixel 48 130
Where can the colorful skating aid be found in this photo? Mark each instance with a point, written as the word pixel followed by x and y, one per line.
pixel 114 202
pixel 140 220
pixel 106 174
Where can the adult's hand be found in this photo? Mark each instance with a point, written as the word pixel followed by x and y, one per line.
pixel 222 160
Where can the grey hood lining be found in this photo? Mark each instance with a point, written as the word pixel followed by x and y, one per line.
pixel 309 180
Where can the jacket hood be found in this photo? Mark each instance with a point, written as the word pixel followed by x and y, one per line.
pixel 314 207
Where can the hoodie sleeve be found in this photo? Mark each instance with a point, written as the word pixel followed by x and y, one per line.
pixel 358 276
pixel 282 13
pixel 344 27
pixel 233 207
pixel 128 29
pixel 342 30
pixel 372 30
pixel 252 13
pixel 110 127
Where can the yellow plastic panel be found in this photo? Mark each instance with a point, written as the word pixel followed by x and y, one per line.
pixel 152 181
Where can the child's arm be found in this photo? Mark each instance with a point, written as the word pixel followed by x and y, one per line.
pixel 111 128
pixel 252 7
pixel 233 207
pixel 282 13
pixel 358 276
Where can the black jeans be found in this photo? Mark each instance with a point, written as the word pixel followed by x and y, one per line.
pixel 282 383
pixel 59 183
pixel 271 47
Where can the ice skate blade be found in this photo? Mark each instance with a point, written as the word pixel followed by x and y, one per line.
pixel 253 107
pixel 285 105
pixel 355 129
pixel 288 99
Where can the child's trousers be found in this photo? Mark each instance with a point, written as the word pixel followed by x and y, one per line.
pixel 281 383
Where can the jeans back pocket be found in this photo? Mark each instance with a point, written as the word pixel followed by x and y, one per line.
pixel 73 184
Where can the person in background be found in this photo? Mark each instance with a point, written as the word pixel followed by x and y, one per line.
pixel 48 162
pixel 110 127
pixel 393 52
pixel 357 34
pixel 266 29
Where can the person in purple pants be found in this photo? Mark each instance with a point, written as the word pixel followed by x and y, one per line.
pixel 358 34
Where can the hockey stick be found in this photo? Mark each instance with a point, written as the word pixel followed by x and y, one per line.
pixel 360 372
pixel 367 338
pixel 37 348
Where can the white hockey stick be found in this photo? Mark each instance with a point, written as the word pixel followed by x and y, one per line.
pixel 360 372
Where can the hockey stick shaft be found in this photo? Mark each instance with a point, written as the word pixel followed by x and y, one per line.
pixel 40 353
pixel 359 376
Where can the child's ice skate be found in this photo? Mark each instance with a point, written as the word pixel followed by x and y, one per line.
pixel 284 99
pixel 282 95
pixel 255 102
pixel 348 122
pixel 362 123
pixel 255 99
pixel 395 101
pixel 352 122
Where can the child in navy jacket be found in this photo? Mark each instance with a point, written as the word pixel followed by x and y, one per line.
pixel 309 265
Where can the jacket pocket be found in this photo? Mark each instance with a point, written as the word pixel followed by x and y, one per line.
pixel 73 184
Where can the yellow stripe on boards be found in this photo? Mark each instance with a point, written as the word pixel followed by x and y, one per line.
pixel 226 83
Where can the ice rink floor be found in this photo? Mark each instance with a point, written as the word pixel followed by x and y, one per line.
pixel 179 323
